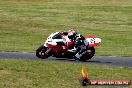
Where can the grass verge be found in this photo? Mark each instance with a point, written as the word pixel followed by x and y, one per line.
pixel 41 74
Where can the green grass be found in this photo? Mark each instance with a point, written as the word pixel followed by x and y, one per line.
pixel 41 74
pixel 25 24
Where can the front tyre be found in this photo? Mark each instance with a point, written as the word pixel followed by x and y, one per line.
pixel 40 52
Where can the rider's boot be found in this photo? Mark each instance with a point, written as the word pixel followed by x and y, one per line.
pixel 76 58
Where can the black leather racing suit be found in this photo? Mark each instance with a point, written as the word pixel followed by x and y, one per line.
pixel 81 45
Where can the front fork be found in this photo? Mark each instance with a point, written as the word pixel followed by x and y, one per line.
pixel 48 53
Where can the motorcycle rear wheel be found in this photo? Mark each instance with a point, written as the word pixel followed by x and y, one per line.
pixel 90 53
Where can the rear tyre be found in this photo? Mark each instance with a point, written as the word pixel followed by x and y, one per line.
pixel 40 52
pixel 90 53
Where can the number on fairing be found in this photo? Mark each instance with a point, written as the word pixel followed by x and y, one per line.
pixel 92 41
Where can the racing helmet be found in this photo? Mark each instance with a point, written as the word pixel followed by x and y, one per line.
pixel 71 33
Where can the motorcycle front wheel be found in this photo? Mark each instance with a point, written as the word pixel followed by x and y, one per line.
pixel 40 52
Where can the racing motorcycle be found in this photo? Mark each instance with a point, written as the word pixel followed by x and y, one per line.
pixel 58 46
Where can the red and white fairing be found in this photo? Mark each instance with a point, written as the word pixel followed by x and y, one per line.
pixel 93 41
pixel 52 41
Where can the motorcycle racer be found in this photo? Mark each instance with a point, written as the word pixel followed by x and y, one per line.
pixel 80 46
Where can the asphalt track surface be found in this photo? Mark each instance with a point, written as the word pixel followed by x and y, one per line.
pixel 101 60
